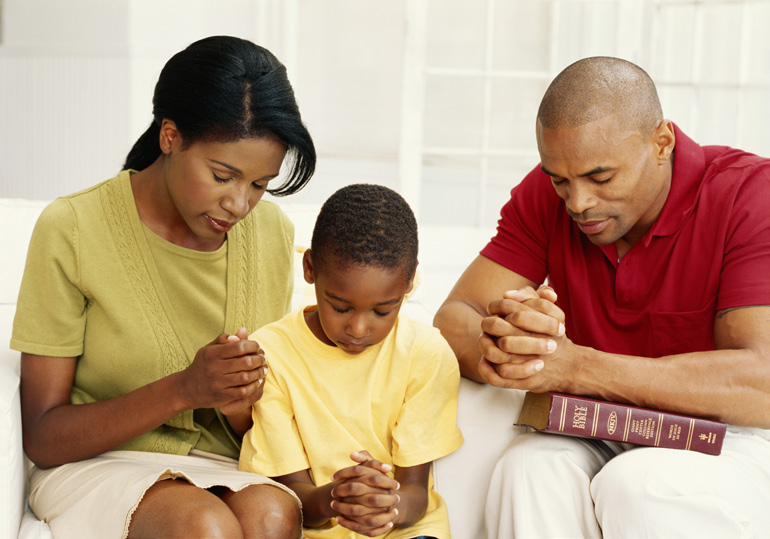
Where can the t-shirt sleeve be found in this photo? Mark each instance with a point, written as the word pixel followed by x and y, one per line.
pixel 426 428
pixel 521 241
pixel 273 446
pixel 51 310
pixel 745 279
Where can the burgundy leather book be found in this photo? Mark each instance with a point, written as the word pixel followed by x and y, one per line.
pixel 592 418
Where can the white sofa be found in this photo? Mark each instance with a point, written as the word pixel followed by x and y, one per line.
pixel 485 415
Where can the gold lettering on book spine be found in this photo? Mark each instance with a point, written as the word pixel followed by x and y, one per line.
pixel 660 427
pixel 563 416
pixel 628 424
pixel 596 419
pixel 690 433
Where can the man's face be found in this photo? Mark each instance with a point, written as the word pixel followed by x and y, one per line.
pixel 614 182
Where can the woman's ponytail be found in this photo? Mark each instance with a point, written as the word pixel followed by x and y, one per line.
pixel 145 150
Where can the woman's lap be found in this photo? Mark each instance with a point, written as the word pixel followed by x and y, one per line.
pixel 97 497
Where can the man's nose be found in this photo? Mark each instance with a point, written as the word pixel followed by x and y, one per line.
pixel 579 198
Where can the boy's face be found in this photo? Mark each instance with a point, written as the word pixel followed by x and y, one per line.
pixel 357 305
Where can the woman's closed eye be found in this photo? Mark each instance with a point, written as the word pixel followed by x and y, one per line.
pixel 222 180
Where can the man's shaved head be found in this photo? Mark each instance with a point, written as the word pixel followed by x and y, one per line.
pixel 595 87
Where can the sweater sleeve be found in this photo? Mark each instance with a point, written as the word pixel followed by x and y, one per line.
pixel 51 311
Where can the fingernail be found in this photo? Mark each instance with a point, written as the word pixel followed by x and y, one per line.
pixel 562 329
pixel 267 370
pixel 515 294
pixel 551 345
pixel 539 366
pixel 233 338
pixel 261 381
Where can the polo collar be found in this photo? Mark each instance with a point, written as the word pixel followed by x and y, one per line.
pixel 688 169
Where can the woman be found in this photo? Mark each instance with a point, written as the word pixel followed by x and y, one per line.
pixel 138 295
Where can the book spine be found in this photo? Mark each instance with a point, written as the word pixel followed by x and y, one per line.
pixel 625 423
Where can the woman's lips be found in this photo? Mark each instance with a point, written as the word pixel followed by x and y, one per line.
pixel 592 227
pixel 221 226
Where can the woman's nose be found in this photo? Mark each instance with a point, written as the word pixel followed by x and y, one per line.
pixel 237 200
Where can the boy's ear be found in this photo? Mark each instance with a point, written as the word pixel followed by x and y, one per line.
pixel 410 286
pixel 307 267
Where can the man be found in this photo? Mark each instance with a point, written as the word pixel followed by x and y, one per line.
pixel 658 251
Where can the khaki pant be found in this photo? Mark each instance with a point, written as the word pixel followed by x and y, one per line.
pixel 548 485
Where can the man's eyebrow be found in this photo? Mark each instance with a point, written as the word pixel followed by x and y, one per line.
pixel 227 166
pixel 343 300
pixel 597 170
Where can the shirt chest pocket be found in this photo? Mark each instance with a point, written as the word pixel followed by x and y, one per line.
pixel 682 332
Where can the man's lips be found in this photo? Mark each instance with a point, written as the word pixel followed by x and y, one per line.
pixel 221 226
pixel 592 227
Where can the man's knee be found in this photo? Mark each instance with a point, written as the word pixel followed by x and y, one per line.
pixel 541 457
pixel 658 492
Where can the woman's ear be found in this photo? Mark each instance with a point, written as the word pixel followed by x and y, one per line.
pixel 170 138
pixel 307 267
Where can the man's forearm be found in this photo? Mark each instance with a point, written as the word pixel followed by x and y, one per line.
pixel 732 386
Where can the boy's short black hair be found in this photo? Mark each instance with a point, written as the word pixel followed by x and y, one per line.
pixel 365 224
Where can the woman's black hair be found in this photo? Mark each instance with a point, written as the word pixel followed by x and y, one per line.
pixel 224 89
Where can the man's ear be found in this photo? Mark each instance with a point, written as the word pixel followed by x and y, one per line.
pixel 664 140
pixel 307 267
pixel 170 138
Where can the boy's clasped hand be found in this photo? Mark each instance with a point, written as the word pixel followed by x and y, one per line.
pixel 366 497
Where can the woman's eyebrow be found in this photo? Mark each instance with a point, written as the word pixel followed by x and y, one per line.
pixel 227 166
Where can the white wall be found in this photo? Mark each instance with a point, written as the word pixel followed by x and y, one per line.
pixel 76 81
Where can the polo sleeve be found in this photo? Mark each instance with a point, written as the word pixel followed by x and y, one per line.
pixel 50 314
pixel 745 279
pixel 426 428
pixel 273 446
pixel 521 241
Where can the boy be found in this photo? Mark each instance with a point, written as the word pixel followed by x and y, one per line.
pixel 358 401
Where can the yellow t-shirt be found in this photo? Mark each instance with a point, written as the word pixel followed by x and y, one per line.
pixel 397 400
pixel 99 286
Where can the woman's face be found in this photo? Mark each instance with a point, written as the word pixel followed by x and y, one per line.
pixel 213 185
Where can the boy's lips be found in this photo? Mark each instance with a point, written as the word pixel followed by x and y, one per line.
pixel 352 347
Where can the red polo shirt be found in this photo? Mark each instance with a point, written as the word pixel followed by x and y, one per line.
pixel 708 250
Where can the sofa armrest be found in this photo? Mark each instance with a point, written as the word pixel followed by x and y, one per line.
pixel 12 473
pixel 485 415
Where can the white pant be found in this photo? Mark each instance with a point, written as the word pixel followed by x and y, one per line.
pixel 548 485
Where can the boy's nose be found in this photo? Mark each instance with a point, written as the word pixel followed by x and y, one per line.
pixel 357 327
